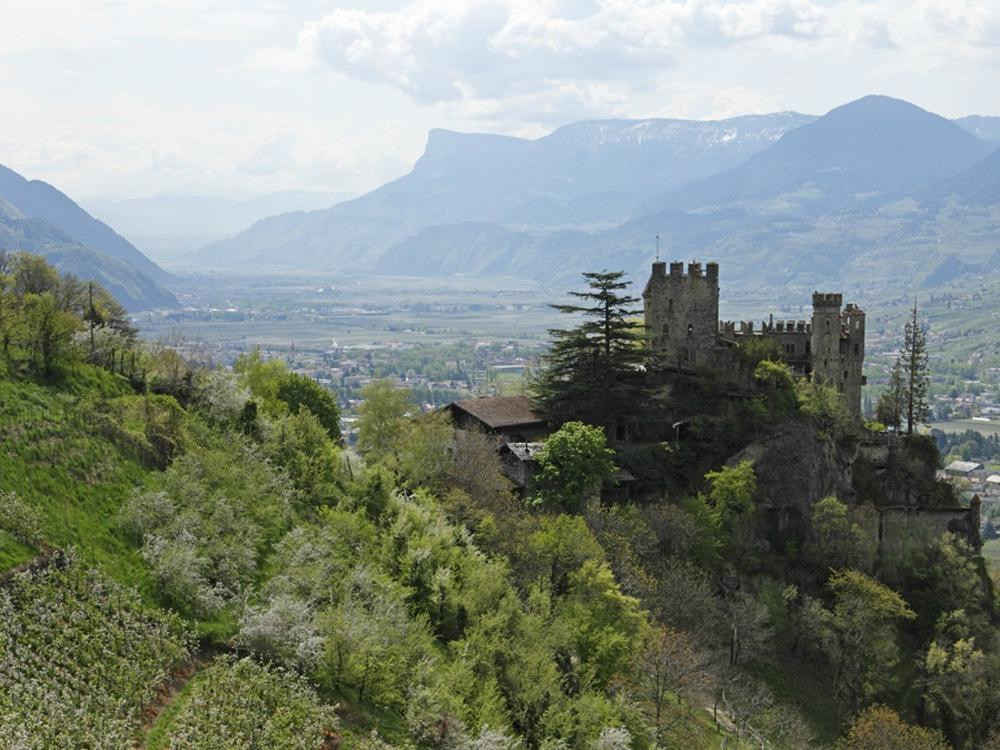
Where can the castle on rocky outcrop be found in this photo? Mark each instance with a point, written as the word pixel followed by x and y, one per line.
pixel 682 321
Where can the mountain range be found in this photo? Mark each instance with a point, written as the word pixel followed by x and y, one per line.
pixel 584 175
pixel 873 188
pixel 37 217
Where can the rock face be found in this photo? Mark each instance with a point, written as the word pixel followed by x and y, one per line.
pixel 796 465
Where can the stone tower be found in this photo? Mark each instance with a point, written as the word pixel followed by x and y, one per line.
pixel 838 346
pixel 682 312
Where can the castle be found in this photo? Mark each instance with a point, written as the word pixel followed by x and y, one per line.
pixel 682 320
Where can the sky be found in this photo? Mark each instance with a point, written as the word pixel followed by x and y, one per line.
pixel 127 99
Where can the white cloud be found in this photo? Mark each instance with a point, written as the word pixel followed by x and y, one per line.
pixel 440 50
pixel 94 24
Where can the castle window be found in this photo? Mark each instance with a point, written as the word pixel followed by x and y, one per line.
pixel 666 330
pixel 690 329
pixel 845 374
pixel 857 349
pixel 827 322
pixel 789 348
pixel 670 306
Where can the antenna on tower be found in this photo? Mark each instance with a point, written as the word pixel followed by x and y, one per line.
pixel 657 247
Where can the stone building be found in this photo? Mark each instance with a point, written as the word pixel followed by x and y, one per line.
pixel 681 312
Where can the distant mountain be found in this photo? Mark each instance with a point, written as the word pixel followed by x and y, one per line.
pixel 169 226
pixel 34 216
pixel 984 128
pixel 133 289
pixel 587 175
pixel 977 185
pixel 905 228
pixel 864 153
pixel 39 200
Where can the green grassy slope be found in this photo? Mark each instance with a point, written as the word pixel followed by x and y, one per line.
pixel 76 475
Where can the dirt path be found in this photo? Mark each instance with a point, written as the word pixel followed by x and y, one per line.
pixel 169 689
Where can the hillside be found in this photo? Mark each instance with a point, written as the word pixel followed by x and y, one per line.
pixel 845 200
pixel 979 185
pixel 188 558
pixel 864 153
pixel 188 562
pixel 34 216
pixel 582 175
pixel 984 128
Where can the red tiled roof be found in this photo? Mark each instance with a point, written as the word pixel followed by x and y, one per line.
pixel 501 411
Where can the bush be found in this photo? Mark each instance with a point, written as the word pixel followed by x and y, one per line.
pixel 20 520
pixel 573 464
pixel 298 391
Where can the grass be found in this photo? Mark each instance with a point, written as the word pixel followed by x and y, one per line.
pixel 13 552
pixel 158 737
pixel 73 477
pixel 961 425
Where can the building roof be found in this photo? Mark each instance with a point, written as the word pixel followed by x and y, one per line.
pixel 993 479
pixel 523 451
pixel 962 467
pixel 500 411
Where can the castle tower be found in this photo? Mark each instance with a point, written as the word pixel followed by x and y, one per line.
pixel 682 312
pixel 826 337
pixel 838 346
pixel 854 356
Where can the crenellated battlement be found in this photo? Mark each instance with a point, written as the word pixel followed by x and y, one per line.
pixel 682 323
pixel 827 299
pixel 694 270
pixel 750 327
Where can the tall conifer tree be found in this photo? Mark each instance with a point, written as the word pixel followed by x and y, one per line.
pixel 889 410
pixel 916 372
pixel 594 371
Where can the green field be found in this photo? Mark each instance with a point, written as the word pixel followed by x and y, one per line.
pixel 326 311
pixel 961 425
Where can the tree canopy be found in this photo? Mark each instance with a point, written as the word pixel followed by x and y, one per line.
pixel 593 372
